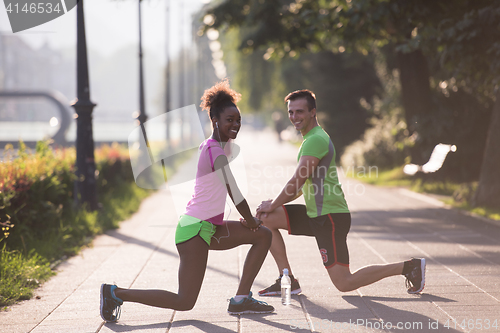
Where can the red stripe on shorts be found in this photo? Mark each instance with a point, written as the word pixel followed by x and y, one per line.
pixel 333 238
pixel 287 220
pixel 334 246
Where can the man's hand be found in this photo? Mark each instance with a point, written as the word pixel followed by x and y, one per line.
pixel 264 208
pixel 255 227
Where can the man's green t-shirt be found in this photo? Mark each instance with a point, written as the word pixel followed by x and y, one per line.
pixel 322 191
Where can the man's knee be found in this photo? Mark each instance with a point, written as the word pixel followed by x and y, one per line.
pixel 274 221
pixel 341 278
pixel 266 220
pixel 343 286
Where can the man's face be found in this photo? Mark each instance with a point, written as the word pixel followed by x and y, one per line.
pixel 300 115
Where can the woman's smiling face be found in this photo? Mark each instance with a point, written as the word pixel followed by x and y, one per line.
pixel 229 123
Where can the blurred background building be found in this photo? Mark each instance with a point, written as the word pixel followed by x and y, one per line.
pixel 44 59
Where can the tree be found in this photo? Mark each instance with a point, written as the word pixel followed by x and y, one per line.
pixel 470 47
pixel 339 80
pixel 488 191
pixel 298 26
pixel 463 35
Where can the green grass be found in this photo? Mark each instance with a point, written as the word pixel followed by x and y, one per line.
pixel 459 195
pixel 490 213
pixel 20 274
pixel 394 177
pixel 22 271
pixel 82 226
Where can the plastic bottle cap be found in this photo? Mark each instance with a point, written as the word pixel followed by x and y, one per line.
pixel 285 271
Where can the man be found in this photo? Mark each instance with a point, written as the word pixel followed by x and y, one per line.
pixel 325 215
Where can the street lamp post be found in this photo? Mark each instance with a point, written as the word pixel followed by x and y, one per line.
pixel 167 74
pixel 182 73
pixel 85 184
pixel 142 108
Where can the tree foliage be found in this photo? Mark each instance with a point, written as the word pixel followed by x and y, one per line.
pixel 338 80
pixel 463 34
pixel 453 45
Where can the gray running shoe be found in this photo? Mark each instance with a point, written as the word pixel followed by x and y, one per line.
pixel 415 280
pixel 110 305
pixel 248 305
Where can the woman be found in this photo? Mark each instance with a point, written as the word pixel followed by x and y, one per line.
pixel 202 227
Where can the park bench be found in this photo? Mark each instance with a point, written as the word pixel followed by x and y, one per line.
pixel 435 162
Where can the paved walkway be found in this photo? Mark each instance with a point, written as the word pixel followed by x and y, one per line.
pixel 463 271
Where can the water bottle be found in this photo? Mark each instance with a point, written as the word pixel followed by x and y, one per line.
pixel 286 288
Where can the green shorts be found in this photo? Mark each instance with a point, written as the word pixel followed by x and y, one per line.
pixel 189 227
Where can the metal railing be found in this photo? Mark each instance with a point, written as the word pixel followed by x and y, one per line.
pixel 53 96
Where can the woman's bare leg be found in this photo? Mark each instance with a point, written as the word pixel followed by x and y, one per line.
pixel 238 235
pixel 193 263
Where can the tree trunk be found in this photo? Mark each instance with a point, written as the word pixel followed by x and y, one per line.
pixel 488 190
pixel 416 96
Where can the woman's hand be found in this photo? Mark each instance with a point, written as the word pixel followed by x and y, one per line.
pixel 257 224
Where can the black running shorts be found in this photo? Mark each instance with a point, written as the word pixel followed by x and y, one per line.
pixel 329 230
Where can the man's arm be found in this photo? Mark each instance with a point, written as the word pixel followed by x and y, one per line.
pixel 292 189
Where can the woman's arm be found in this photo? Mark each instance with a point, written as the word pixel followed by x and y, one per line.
pixel 222 169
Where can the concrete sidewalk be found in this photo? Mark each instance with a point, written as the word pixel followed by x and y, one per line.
pixel 462 283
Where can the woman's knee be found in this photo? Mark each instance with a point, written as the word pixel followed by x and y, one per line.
pixel 186 304
pixel 262 237
pixel 186 307
pixel 265 235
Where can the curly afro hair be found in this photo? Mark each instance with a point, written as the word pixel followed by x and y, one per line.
pixel 218 97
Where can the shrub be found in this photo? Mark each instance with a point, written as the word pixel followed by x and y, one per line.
pixel 40 222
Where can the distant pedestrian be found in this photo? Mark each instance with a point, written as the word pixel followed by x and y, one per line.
pixel 325 214
pixel 202 227
pixel 279 124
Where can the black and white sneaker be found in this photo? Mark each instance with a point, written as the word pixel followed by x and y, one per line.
pixel 415 280
pixel 275 289
pixel 248 305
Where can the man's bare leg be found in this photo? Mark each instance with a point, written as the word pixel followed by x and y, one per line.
pixel 274 221
pixel 345 281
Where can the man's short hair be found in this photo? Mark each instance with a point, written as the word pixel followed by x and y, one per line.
pixel 304 93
